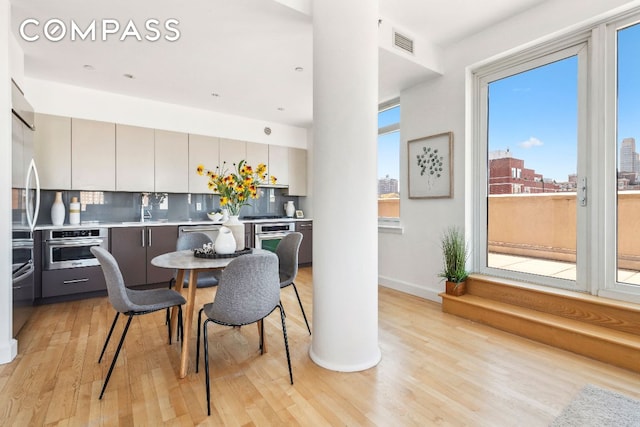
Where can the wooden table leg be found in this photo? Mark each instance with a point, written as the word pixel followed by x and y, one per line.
pixel 188 321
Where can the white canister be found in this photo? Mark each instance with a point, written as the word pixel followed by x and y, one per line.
pixel 74 211
pixel 57 210
pixel 225 242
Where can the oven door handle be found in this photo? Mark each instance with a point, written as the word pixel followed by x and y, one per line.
pixel 85 242
pixel 263 236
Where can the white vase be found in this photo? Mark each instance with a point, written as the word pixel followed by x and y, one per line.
pixel 290 209
pixel 225 243
pixel 57 210
pixel 237 228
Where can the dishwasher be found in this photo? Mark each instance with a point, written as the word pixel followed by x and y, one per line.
pixel 210 230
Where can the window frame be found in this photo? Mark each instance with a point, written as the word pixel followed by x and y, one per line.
pixel 390 224
pixel 598 133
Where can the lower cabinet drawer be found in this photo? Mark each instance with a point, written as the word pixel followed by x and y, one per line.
pixel 72 281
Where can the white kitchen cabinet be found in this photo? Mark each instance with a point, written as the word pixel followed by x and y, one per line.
pixel 203 150
pixel 93 155
pixel 134 158
pixel 297 172
pixel 279 163
pixel 256 154
pixel 52 151
pixel 171 162
pixel 232 151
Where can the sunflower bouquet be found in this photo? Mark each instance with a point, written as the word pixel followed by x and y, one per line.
pixel 235 187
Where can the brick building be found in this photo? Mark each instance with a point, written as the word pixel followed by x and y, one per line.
pixel 508 175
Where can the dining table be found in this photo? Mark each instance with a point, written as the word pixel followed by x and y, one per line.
pixel 183 262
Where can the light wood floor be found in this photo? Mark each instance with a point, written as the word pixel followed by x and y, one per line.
pixel 437 369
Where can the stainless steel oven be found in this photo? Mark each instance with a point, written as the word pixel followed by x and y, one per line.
pixel 71 248
pixel 268 235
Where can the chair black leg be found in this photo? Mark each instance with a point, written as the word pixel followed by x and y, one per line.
pixel 168 316
pixel 286 343
pixel 262 336
pixel 115 357
pixel 206 366
pixel 113 325
pixel 301 307
pixel 180 325
pixel 198 340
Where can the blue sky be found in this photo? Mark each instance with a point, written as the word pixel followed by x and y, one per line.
pixel 388 145
pixel 534 114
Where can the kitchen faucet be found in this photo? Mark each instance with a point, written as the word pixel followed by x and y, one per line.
pixel 144 213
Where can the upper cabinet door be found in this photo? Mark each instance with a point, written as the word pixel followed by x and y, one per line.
pixel 134 158
pixel 17 153
pixel 203 150
pixel 231 152
pixel 172 162
pixel 93 155
pixel 297 172
pixel 279 164
pixel 256 154
pixel 53 151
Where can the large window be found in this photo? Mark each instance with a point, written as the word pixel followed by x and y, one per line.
pixel 558 171
pixel 389 160
pixel 627 134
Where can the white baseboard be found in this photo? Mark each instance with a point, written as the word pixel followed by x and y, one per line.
pixel 8 351
pixel 411 288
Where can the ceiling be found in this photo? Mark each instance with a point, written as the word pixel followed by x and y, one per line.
pixel 240 57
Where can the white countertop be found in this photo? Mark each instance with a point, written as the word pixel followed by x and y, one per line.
pixel 94 224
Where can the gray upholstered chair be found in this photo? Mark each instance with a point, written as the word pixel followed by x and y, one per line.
pixel 287 251
pixel 131 302
pixel 249 290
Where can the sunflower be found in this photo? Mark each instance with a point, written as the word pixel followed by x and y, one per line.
pixel 235 188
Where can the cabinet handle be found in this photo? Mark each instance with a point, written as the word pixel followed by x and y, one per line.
pixel 70 282
pixel 142 231
pixel 149 239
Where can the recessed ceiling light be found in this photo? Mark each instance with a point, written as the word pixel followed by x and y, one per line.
pixel 129 76
pixel 88 67
pixel 299 69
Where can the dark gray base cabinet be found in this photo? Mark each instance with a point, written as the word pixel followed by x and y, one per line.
pixel 305 254
pixel 72 281
pixel 135 247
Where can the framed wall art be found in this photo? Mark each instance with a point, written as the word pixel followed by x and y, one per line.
pixel 430 166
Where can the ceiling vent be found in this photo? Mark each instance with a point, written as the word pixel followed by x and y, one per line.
pixel 403 42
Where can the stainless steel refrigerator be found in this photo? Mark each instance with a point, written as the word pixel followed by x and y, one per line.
pixel 25 206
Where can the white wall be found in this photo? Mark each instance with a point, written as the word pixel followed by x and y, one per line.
pixel 411 261
pixel 8 346
pixel 74 101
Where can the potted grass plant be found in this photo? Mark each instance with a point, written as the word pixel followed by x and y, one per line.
pixel 454 257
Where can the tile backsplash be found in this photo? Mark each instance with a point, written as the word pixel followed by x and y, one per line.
pixel 108 206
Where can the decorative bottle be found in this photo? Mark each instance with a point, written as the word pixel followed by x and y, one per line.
pixel 290 209
pixel 74 211
pixel 57 210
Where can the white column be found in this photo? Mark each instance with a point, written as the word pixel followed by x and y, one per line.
pixel 8 346
pixel 345 244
